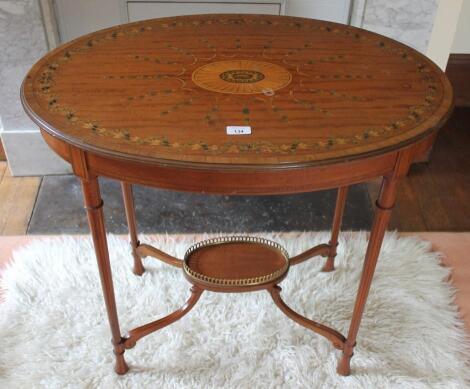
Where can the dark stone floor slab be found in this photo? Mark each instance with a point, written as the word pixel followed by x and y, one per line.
pixel 59 210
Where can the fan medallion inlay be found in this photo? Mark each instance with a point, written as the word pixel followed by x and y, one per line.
pixel 241 77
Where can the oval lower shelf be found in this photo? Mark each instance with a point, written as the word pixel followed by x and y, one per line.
pixel 235 263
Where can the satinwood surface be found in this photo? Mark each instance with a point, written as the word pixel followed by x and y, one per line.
pixel 164 91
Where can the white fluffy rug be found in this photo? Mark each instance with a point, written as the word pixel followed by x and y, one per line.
pixel 54 332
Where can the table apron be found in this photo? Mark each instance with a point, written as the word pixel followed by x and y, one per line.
pixel 233 182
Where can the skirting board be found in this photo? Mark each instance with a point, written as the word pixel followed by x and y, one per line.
pixel 29 155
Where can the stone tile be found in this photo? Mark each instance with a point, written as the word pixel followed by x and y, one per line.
pixel 59 210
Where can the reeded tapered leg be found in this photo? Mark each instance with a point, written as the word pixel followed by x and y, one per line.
pixel 94 208
pixel 338 217
pixel 128 197
pixel 384 206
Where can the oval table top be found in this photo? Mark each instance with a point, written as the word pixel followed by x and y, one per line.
pixel 164 91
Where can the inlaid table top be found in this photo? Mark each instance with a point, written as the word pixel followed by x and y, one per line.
pixel 164 91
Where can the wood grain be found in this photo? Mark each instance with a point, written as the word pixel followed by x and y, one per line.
pixel 128 92
pixel 94 207
pixel 17 199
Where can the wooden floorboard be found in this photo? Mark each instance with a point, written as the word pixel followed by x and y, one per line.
pixel 435 196
pixel 3 168
pixel 17 199
pixel 3 156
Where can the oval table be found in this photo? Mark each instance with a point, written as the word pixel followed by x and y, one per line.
pixel 239 105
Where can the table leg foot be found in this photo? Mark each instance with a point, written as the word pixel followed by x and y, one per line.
pixel 121 366
pixel 344 366
pixel 329 265
pixel 344 363
pixel 138 268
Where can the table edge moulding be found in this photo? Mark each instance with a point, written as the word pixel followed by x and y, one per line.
pixel 298 90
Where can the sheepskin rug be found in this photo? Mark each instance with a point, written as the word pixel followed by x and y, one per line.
pixel 54 331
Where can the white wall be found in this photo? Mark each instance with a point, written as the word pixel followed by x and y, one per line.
pixel 461 44
pixel 443 32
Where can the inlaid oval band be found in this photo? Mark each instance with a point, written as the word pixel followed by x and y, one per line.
pixel 241 77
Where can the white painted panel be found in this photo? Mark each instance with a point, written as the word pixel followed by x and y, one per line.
pixel 443 31
pixel 148 10
pixel 461 43
pixel 77 18
pixel 332 10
